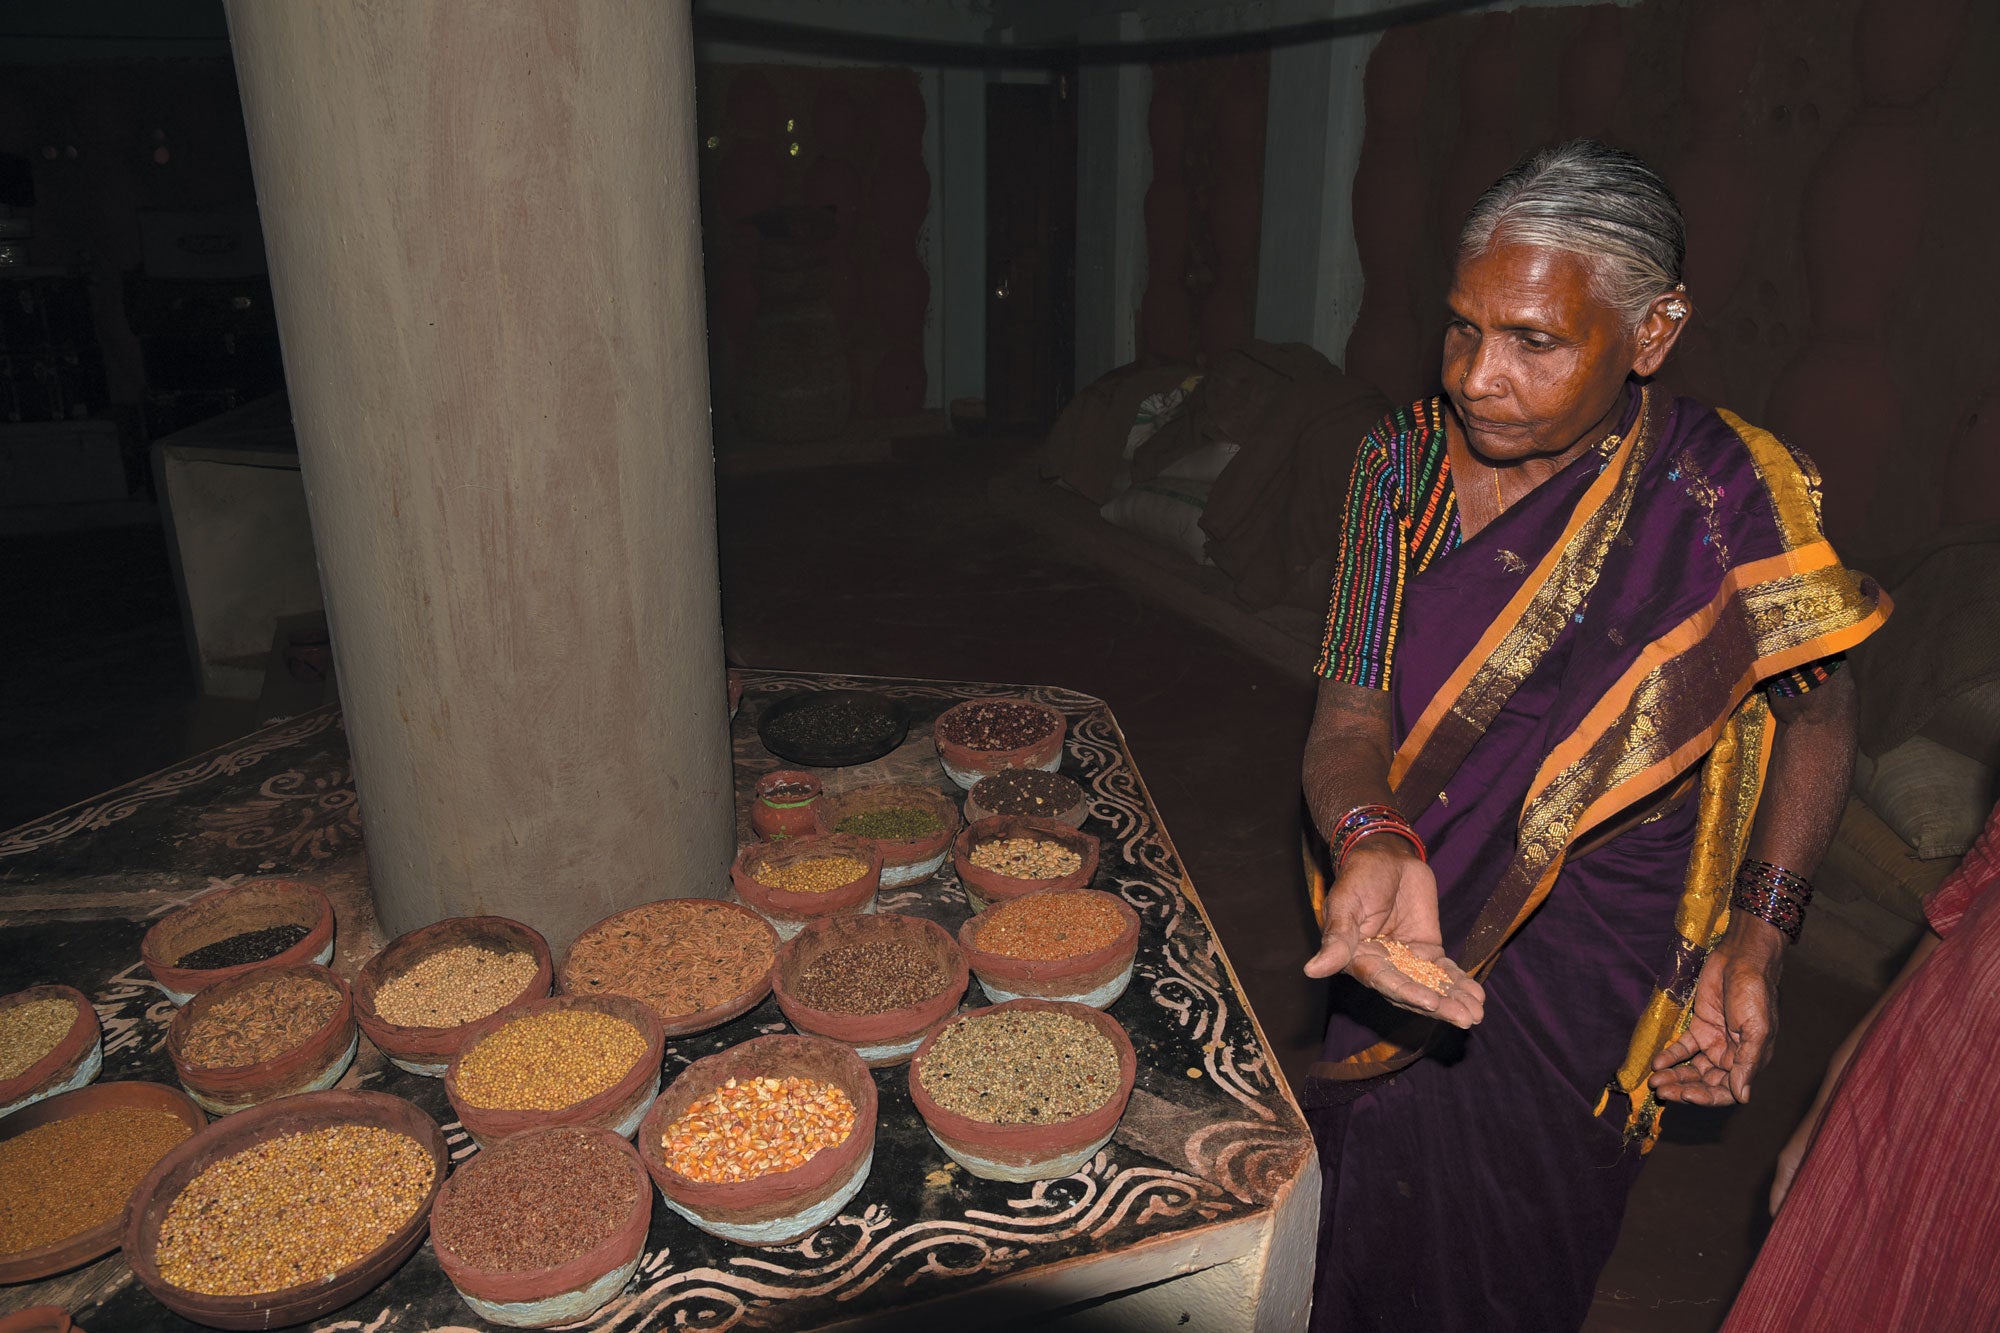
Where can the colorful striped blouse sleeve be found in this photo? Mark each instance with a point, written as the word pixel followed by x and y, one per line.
pixel 1803 680
pixel 1369 570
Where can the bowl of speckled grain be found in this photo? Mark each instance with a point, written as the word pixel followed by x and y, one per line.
pixel 984 886
pixel 994 1125
pixel 426 1048
pixel 780 1206
pixel 608 1057
pixel 984 736
pixel 351 1248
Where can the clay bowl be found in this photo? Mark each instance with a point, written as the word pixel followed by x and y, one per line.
pixel 785 1205
pixel 965 765
pixel 904 860
pixel 1072 814
pixel 543 1297
pixel 226 912
pixel 789 910
pixel 1096 978
pixel 617 1108
pixel 39 1319
pixel 782 814
pixel 1028 1152
pixel 886 1038
pixel 226 1138
pixel 314 1065
pixel 69 1064
pixel 67 1253
pixel 985 887
pixel 571 982
pixel 427 1050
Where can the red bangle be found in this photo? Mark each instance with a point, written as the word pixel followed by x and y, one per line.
pixel 1398 828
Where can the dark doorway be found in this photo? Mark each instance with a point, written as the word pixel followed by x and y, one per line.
pixel 1030 250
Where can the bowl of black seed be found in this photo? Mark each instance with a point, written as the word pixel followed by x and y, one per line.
pixel 1027 791
pixel 226 933
pixel 832 728
pixel 1026 1090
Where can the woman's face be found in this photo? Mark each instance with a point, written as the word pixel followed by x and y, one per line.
pixel 1533 361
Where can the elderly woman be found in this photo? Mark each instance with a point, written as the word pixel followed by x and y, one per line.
pixel 1581 740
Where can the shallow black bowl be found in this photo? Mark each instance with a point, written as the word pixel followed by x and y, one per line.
pixel 853 727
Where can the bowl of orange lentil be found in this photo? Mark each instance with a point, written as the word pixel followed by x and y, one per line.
pixel 1058 944
pixel 567 1060
pixel 804 879
pixel 766 1142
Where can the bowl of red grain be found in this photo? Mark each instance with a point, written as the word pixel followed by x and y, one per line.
pixel 983 736
pixel 1077 945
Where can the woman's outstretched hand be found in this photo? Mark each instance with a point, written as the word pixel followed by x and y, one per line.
pixel 1387 893
pixel 1733 1023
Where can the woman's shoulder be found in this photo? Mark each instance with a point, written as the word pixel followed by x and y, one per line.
pixel 1406 435
pixel 1726 444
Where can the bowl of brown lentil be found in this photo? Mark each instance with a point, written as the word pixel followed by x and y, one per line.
pixel 226 933
pixel 1026 1090
pixel 765 1142
pixel 696 962
pixel 567 1060
pixel 416 998
pixel 50 1043
pixel 287 1211
pixel 798 880
pixel 982 736
pixel 545 1228
pixel 1057 944
pixel 913 826
pixel 1011 856
pixel 269 1032
pixel 1028 791
pixel 876 983
pixel 68 1167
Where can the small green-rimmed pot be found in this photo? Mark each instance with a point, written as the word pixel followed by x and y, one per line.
pixel 783 804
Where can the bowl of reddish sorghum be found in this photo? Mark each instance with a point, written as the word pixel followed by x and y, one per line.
pixel 912 826
pixel 1011 856
pixel 416 998
pixel 50 1043
pixel 268 1032
pixel 1058 944
pixel 567 1060
pixel 797 880
pixel 287 1211
pixel 226 933
pixel 982 736
pixel 695 962
pixel 544 1228
pixel 876 983
pixel 1026 1090
pixel 68 1167
pixel 765 1142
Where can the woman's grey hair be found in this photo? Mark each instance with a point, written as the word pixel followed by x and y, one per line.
pixel 1595 201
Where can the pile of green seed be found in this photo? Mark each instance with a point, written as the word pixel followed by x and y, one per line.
pixel 30 1031
pixel 292 1210
pixel 1021 1067
pixel 890 822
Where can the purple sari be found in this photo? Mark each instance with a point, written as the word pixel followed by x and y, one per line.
pixel 1561 679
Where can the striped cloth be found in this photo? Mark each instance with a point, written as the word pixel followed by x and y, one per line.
pixel 1402 514
pixel 1893 1224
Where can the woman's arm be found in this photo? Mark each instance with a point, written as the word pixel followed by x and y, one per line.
pixel 1735 1012
pixel 1794 1151
pixel 1383 889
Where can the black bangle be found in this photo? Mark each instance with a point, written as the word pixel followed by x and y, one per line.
pixel 1772 894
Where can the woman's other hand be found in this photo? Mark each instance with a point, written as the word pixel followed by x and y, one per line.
pixel 1384 891
pixel 1733 1022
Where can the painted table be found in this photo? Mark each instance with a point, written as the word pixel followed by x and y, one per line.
pixel 1200 1213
